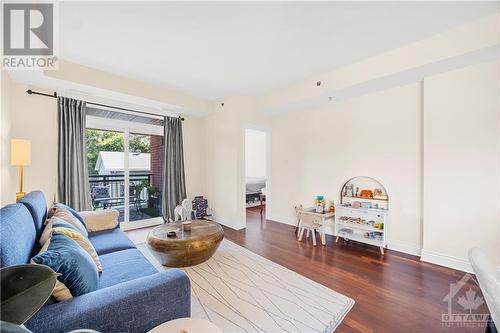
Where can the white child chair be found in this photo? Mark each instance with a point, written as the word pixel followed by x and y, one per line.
pixel 310 224
pixel 297 208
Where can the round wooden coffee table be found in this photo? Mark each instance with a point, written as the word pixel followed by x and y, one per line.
pixel 187 248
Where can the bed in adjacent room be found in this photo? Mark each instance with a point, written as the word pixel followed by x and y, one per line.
pixel 253 187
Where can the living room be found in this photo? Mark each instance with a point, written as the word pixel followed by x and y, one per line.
pixel 380 126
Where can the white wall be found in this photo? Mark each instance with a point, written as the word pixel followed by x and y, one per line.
pixel 316 151
pixel 225 169
pixel 255 153
pixel 194 155
pixel 32 118
pixel 7 173
pixel 461 168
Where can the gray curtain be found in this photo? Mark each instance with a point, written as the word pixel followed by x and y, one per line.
pixel 73 187
pixel 174 183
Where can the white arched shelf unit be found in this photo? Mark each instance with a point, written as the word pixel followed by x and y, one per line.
pixel 363 212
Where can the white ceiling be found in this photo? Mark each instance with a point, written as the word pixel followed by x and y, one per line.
pixel 213 49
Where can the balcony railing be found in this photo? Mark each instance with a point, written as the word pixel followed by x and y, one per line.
pixel 109 190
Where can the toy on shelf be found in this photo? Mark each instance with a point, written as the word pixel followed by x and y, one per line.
pixel 373 235
pixel 366 205
pixel 356 204
pixel 379 193
pixel 348 190
pixel 346 232
pixel 366 194
pixel 320 203
pixel 332 207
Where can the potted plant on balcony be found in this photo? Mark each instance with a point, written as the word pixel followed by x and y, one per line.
pixel 152 196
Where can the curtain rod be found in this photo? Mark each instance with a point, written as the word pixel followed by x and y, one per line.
pixel 31 92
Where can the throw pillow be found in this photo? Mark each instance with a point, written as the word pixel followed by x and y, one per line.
pixel 71 210
pixel 47 232
pixel 66 215
pixel 78 272
pixel 70 231
pixel 100 219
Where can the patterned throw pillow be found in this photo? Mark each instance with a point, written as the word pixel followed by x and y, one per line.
pixel 66 215
pixel 78 271
pixel 70 231
pixel 58 225
pixel 71 210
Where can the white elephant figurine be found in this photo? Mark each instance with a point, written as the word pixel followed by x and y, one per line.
pixel 183 211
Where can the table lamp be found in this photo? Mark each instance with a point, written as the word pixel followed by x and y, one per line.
pixel 20 156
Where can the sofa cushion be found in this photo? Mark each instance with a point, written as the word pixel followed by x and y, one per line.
pixel 17 235
pixel 110 241
pixel 122 266
pixel 37 205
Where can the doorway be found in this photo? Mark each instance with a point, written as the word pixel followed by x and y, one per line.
pixel 256 173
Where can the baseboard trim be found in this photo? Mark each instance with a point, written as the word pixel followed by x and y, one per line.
pixel 281 219
pixel 405 248
pixel 445 260
pixel 229 225
pixel 393 245
pixel 125 226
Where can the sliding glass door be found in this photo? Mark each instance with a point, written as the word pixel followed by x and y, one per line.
pixel 145 172
pixel 106 166
pixel 125 163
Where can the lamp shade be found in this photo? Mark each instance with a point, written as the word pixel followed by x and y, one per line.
pixel 20 152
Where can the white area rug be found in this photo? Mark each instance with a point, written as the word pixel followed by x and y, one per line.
pixel 240 291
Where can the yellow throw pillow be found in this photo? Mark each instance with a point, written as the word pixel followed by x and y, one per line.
pixel 82 241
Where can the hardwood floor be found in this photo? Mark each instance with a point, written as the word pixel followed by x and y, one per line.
pixel 393 293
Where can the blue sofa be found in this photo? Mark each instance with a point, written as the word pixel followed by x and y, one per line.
pixel 132 296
